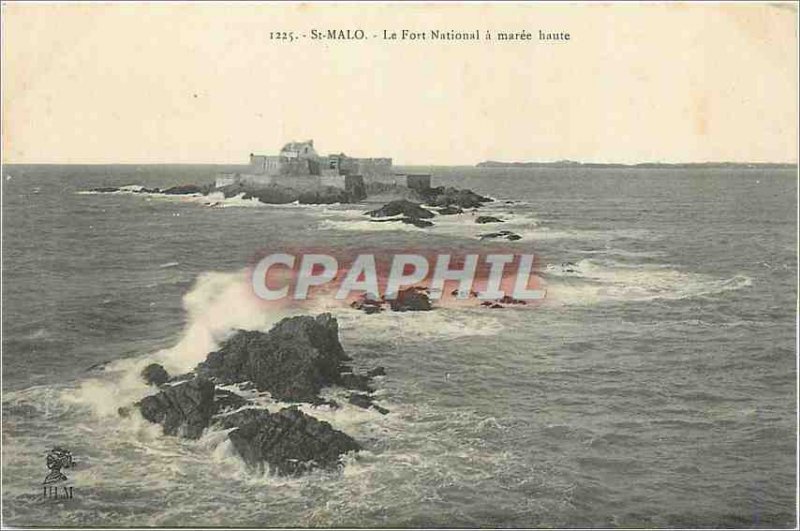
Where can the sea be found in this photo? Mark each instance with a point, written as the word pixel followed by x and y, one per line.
pixel 654 386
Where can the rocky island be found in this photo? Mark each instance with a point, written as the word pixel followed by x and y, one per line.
pixel 292 362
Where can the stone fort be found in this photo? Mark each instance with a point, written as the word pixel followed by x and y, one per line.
pixel 298 165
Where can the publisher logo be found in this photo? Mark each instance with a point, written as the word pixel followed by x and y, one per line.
pixel 55 484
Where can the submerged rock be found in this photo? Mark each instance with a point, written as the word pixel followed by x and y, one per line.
pixel 503 234
pixel 366 402
pixel 488 219
pixel 401 207
pixel 293 361
pixel 288 442
pixel 421 223
pixel 508 299
pixel 155 374
pixel 449 210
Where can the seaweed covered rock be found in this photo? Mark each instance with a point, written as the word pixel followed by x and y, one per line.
pixel 293 361
pixel 288 442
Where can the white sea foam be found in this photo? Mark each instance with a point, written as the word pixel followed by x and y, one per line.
pixel 217 304
pixel 527 225
pixel 590 281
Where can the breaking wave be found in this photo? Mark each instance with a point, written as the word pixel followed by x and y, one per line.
pixel 590 281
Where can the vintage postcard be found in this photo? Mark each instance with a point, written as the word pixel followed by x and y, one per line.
pixel 399 265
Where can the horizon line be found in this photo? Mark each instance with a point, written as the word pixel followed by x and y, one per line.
pixel 564 162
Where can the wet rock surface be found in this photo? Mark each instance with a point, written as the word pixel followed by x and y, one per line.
pixel 288 442
pixel 184 409
pixel 402 207
pixel 501 235
pixel 185 189
pixel 366 401
pixel 488 219
pixel 293 361
pixel 413 299
pixel 155 374
pixel 441 196
pixel 450 210
pixel 272 194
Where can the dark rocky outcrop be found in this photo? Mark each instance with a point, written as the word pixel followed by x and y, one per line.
pixel 569 267
pixel 467 294
pixel 412 299
pixel 377 371
pixel 155 374
pixel 184 409
pixel 227 400
pixel 271 195
pixel 508 299
pixel 288 442
pixel 323 196
pixel 401 207
pixel 488 219
pixel 366 402
pixel 360 382
pixel 503 234
pixel 449 210
pixel 368 304
pixel 186 189
pixel 441 197
pixel 293 361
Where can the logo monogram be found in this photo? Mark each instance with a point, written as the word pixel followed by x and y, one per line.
pixel 57 459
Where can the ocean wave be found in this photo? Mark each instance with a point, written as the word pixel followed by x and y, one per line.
pixel 590 281
pixel 527 225
pixel 212 199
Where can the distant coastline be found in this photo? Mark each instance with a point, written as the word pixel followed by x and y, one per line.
pixel 642 165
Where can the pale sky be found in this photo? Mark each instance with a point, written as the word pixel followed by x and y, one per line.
pixel 194 83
